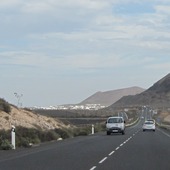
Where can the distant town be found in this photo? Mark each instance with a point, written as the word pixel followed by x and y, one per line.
pixel 71 107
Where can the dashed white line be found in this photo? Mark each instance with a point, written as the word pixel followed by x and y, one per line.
pixel 111 153
pixel 117 148
pixel 94 167
pixel 103 160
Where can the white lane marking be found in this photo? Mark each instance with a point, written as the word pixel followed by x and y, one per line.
pixel 103 160
pixel 164 132
pixel 117 148
pixel 94 167
pixel 111 153
pixel 135 125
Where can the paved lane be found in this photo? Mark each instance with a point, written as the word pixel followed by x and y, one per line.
pixel 145 150
pixel 76 153
pixel 136 150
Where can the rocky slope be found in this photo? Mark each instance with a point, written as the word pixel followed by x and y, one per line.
pixel 109 97
pixel 21 117
pixel 157 96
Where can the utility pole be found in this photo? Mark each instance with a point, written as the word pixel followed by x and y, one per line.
pixel 18 97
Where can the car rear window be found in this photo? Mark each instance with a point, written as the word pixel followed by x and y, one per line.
pixel 115 120
pixel 150 122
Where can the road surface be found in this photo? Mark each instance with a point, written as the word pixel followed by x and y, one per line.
pixel 136 150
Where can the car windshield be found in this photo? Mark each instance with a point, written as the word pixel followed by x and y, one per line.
pixel 115 120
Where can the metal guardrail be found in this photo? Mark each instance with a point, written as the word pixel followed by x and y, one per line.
pixel 163 126
pixel 133 123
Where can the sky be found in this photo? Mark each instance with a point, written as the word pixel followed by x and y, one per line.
pixel 55 52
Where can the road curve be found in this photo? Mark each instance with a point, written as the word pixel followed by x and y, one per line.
pixel 136 150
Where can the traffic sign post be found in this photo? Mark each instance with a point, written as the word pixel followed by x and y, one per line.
pixel 13 136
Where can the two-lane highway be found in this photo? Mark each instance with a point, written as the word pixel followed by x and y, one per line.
pixel 136 150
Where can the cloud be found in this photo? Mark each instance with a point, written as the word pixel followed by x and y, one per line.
pixel 162 66
pixel 162 9
pixel 87 40
pixel 51 7
pixel 23 58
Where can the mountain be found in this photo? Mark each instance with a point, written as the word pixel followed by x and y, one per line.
pixel 109 97
pixel 157 96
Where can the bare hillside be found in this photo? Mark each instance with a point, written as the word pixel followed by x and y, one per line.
pixel 157 96
pixel 109 97
pixel 21 117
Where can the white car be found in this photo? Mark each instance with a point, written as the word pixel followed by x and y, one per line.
pixel 115 125
pixel 151 120
pixel 149 125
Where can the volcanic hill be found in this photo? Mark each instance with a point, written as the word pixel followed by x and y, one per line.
pixel 157 96
pixel 109 97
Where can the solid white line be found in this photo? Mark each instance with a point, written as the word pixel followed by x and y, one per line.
pixel 103 160
pixel 111 153
pixel 164 133
pixel 93 168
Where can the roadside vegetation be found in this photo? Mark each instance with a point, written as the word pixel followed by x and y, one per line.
pixel 4 106
pixel 28 136
pixel 162 116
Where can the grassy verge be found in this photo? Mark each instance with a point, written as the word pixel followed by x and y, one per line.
pixel 26 136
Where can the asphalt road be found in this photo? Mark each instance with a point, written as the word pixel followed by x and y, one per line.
pixel 136 150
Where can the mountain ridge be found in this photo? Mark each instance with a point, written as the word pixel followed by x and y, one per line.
pixel 109 97
pixel 157 96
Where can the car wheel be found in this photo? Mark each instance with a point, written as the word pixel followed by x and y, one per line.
pixel 123 133
pixel 154 130
pixel 143 130
pixel 108 133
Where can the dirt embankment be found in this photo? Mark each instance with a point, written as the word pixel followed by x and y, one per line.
pixel 163 116
pixel 21 117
